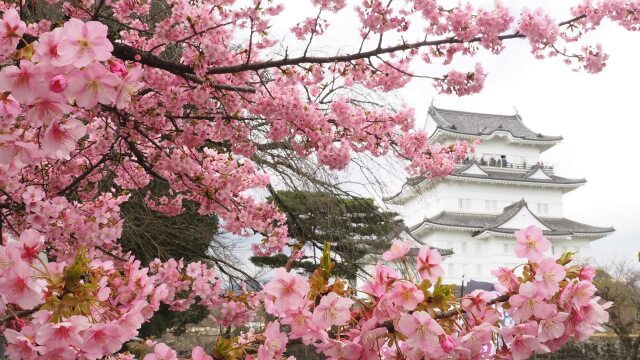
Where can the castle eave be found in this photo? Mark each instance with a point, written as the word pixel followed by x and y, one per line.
pixel 481 224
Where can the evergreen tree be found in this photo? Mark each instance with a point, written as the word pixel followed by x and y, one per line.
pixel 355 227
pixel 150 234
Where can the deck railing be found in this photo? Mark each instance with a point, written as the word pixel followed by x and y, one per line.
pixel 498 162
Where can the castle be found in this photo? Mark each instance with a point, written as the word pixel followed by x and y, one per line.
pixel 502 187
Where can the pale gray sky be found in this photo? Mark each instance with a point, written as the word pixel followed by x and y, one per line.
pixel 596 114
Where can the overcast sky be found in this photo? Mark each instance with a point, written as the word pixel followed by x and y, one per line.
pixel 596 114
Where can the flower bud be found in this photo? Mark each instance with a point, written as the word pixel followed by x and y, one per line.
pixel 117 67
pixel 58 83
pixel 447 343
pixel 587 272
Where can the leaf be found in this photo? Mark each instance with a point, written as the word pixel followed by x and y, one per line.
pixel 442 295
pixel 566 258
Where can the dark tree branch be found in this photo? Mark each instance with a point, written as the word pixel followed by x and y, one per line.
pixel 231 69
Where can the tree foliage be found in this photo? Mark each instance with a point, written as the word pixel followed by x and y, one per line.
pixel 354 226
pixel 620 283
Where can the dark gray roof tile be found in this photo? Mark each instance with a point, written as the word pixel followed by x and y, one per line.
pixel 482 222
pixel 471 123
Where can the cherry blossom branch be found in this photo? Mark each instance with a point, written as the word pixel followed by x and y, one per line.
pixel 359 55
pixel 449 313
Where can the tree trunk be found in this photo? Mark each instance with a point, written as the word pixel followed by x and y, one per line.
pixel 635 347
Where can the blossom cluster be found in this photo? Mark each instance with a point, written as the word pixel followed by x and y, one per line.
pixel 404 311
pixel 115 97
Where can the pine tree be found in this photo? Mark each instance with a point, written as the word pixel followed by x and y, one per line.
pixel 355 226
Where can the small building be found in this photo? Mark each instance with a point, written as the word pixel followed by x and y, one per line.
pixel 502 187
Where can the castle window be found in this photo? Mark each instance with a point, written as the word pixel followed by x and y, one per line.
pixel 478 269
pixel 543 208
pixel 507 248
pixel 464 204
pixel 451 269
pixel 464 247
pixel 491 205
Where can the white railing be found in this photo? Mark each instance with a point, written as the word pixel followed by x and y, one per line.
pixel 499 162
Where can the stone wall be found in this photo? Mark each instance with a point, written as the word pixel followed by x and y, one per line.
pixel 599 346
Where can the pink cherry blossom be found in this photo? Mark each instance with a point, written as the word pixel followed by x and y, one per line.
pixel 398 249
pixel 379 284
pixel 406 295
pixel 420 328
pixel 15 152
pixel 19 346
pixel 11 29
pixel 577 293
pixel 9 107
pixel 274 344
pixel 334 349
pixel 84 43
pixel 530 243
pixel 58 83
pixel 162 352
pixel 552 327
pixel 587 272
pixel 92 85
pixel 198 353
pixel 429 264
pixel 528 303
pixel 46 48
pixel 548 277
pixel 18 287
pixel 32 243
pixel 102 339
pixel 332 310
pixel 46 108
pixel 288 290
pixel 524 340
pixel 61 138
pixel 20 81
pixel 447 343
pixel 300 322
pixel 507 280
pixel 62 334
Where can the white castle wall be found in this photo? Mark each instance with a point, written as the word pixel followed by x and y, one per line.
pixel 478 198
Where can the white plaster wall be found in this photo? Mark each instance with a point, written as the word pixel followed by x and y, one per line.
pixel 445 195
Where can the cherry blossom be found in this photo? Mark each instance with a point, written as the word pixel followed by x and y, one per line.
pixel 58 83
pixel 11 29
pixel 92 85
pixel 288 290
pixel 84 43
pixel 406 295
pixel 162 352
pixel 61 138
pixel 20 81
pixel 548 277
pixel 530 243
pixel 420 328
pixel 274 343
pixel 398 249
pixel 204 101
pixel 332 310
pixel 429 264
pixel 528 303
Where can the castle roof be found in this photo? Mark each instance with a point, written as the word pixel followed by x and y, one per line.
pixel 504 223
pixel 471 123
pixel 474 173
